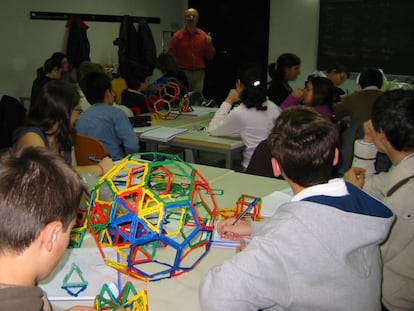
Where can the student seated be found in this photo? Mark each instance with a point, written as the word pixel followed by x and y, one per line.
pixel 137 80
pixel 39 200
pixel 320 251
pixel 103 122
pixel 357 106
pixel 51 70
pixel 318 93
pixel 286 68
pixel 50 124
pixel 391 131
pixel 338 74
pixel 171 87
pixel 253 119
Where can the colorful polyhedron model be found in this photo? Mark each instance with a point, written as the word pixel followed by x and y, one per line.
pixel 158 214
pixel 242 203
pixel 129 299
pixel 79 229
pixel 166 97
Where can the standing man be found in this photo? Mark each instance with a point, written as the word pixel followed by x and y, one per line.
pixel 191 46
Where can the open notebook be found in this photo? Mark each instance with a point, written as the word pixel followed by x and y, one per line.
pixel 163 133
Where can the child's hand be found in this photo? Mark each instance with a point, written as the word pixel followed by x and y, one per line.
pixel 355 176
pixel 368 131
pixel 106 164
pixel 242 229
pixel 298 93
pixel 233 96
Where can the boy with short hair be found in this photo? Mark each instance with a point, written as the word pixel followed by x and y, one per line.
pixel 39 199
pixel 391 131
pixel 103 122
pixel 318 252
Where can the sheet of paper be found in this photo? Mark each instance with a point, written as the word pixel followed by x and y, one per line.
pixel 273 201
pixel 94 271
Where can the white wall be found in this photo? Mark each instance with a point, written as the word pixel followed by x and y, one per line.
pixel 26 43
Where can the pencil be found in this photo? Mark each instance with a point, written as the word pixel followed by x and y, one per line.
pixel 248 208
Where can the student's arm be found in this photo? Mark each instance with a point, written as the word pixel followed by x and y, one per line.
pixel 290 101
pixel 98 169
pixel 253 279
pixel 126 134
pixel 226 122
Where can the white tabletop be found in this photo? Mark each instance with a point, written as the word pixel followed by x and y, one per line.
pixel 181 292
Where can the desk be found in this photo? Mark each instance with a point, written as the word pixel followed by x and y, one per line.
pixel 196 138
pixel 236 184
pixel 181 292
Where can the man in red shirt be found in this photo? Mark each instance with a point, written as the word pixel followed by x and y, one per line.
pixel 191 46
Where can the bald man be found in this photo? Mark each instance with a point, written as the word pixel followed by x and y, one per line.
pixel 191 46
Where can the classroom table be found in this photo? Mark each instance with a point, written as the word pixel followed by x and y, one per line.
pixel 236 184
pixel 181 292
pixel 196 138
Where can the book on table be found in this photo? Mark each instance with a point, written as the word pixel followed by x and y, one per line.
pixel 163 133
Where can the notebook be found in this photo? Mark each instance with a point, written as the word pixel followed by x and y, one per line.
pixel 163 133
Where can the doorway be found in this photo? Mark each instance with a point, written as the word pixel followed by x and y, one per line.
pixel 240 32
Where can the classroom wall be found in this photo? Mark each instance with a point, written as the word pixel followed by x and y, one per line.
pixel 294 29
pixel 26 43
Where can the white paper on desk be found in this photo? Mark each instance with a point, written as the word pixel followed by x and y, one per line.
pixel 94 271
pixel 143 129
pixel 273 201
pixel 163 133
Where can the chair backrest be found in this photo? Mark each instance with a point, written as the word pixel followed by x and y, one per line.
pixel 88 150
pixel 118 85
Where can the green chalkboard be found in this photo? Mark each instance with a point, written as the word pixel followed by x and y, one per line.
pixel 359 33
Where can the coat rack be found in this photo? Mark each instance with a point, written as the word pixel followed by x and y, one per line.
pixel 91 17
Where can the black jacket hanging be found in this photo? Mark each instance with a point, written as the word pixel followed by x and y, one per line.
pixel 78 47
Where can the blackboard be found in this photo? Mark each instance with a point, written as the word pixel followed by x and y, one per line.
pixel 361 33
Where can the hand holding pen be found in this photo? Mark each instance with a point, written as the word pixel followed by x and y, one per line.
pixel 236 228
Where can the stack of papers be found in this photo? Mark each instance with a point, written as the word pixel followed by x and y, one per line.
pixel 162 133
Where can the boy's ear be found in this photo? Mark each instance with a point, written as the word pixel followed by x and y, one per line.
pixel 50 233
pixel 336 157
pixel 276 168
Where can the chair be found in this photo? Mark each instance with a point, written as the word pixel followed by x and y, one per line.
pixel 88 150
pixel 261 161
pixel 118 85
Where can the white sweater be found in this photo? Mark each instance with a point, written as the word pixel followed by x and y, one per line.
pixel 251 125
pixel 308 256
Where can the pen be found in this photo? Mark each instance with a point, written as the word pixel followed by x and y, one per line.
pixel 94 159
pixel 248 208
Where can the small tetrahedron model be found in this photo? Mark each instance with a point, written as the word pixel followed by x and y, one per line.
pixel 73 282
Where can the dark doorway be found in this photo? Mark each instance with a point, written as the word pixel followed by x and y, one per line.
pixel 240 32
